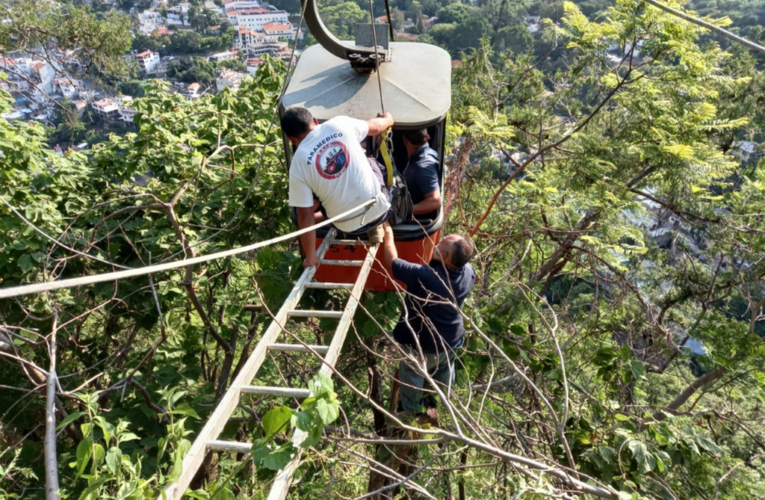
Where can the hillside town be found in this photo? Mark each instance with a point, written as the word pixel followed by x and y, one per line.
pixel 170 40
pixel 38 82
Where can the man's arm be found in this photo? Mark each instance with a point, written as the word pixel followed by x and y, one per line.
pixel 380 124
pixel 305 218
pixel 389 247
pixel 431 203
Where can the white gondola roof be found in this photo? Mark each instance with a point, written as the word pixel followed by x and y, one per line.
pixel 416 85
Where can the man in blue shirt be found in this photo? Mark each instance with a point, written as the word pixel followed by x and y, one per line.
pixel 430 323
pixel 421 175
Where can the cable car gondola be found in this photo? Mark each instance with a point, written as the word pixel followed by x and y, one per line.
pixel 337 78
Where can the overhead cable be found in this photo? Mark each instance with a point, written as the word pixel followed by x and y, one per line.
pixel 727 34
pixel 17 291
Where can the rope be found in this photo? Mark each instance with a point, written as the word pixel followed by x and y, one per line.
pixel 56 242
pixel 390 21
pixel 383 144
pixel 377 56
pixel 17 291
pixel 727 34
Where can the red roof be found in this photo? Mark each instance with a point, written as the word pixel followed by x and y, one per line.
pixel 37 66
pixel 103 102
pixel 162 31
pixel 254 62
pixel 145 53
pixel 277 27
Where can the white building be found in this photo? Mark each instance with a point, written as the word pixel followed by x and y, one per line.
pixel 67 87
pixel 178 15
pixel 193 92
pixel 43 74
pixel 229 78
pixel 275 31
pixel 248 38
pixel 150 17
pixel 126 109
pixel 261 48
pixel 148 62
pixel 149 21
pixel 106 108
pixel 222 56
pixel 254 18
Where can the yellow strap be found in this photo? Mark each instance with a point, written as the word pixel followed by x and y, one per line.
pixel 386 158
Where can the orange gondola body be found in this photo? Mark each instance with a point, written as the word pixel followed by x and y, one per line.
pixel 415 85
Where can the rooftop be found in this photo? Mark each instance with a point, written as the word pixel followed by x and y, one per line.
pixel 277 27
pixel 102 103
pixel 145 53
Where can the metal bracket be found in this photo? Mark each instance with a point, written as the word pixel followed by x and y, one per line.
pixel 363 58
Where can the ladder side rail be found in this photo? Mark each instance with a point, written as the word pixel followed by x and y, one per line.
pixel 283 480
pixel 230 399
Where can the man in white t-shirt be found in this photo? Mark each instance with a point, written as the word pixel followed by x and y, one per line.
pixel 330 163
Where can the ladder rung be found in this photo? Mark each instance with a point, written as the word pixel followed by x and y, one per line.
pixel 349 242
pixel 346 263
pixel 287 392
pixel 230 446
pixel 321 349
pixel 329 286
pixel 302 313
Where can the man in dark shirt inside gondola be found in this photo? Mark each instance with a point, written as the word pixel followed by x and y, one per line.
pixel 421 175
pixel 431 320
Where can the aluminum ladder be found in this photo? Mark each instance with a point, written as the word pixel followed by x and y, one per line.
pixel 207 440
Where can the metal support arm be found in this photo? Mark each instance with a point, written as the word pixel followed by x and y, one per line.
pixel 361 58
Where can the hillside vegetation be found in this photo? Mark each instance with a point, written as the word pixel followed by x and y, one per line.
pixel 610 175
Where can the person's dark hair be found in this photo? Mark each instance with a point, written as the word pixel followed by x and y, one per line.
pixel 462 251
pixel 417 137
pixel 296 121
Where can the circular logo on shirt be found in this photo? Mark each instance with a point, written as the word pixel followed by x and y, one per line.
pixel 332 160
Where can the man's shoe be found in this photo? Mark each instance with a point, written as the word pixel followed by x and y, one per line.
pixel 428 417
pixel 430 401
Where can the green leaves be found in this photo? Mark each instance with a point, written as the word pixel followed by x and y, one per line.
pixel 272 457
pixel 327 411
pixel 276 420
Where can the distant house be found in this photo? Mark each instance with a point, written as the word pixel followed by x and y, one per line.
pixel 274 31
pixel 178 15
pixel 67 87
pixel 222 56
pixel 126 110
pixel 229 78
pixel 532 24
pixel 43 74
pixel 193 92
pixel 148 62
pixel 259 49
pixel 107 109
pixel 248 38
pixel 252 65
pixel 252 15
